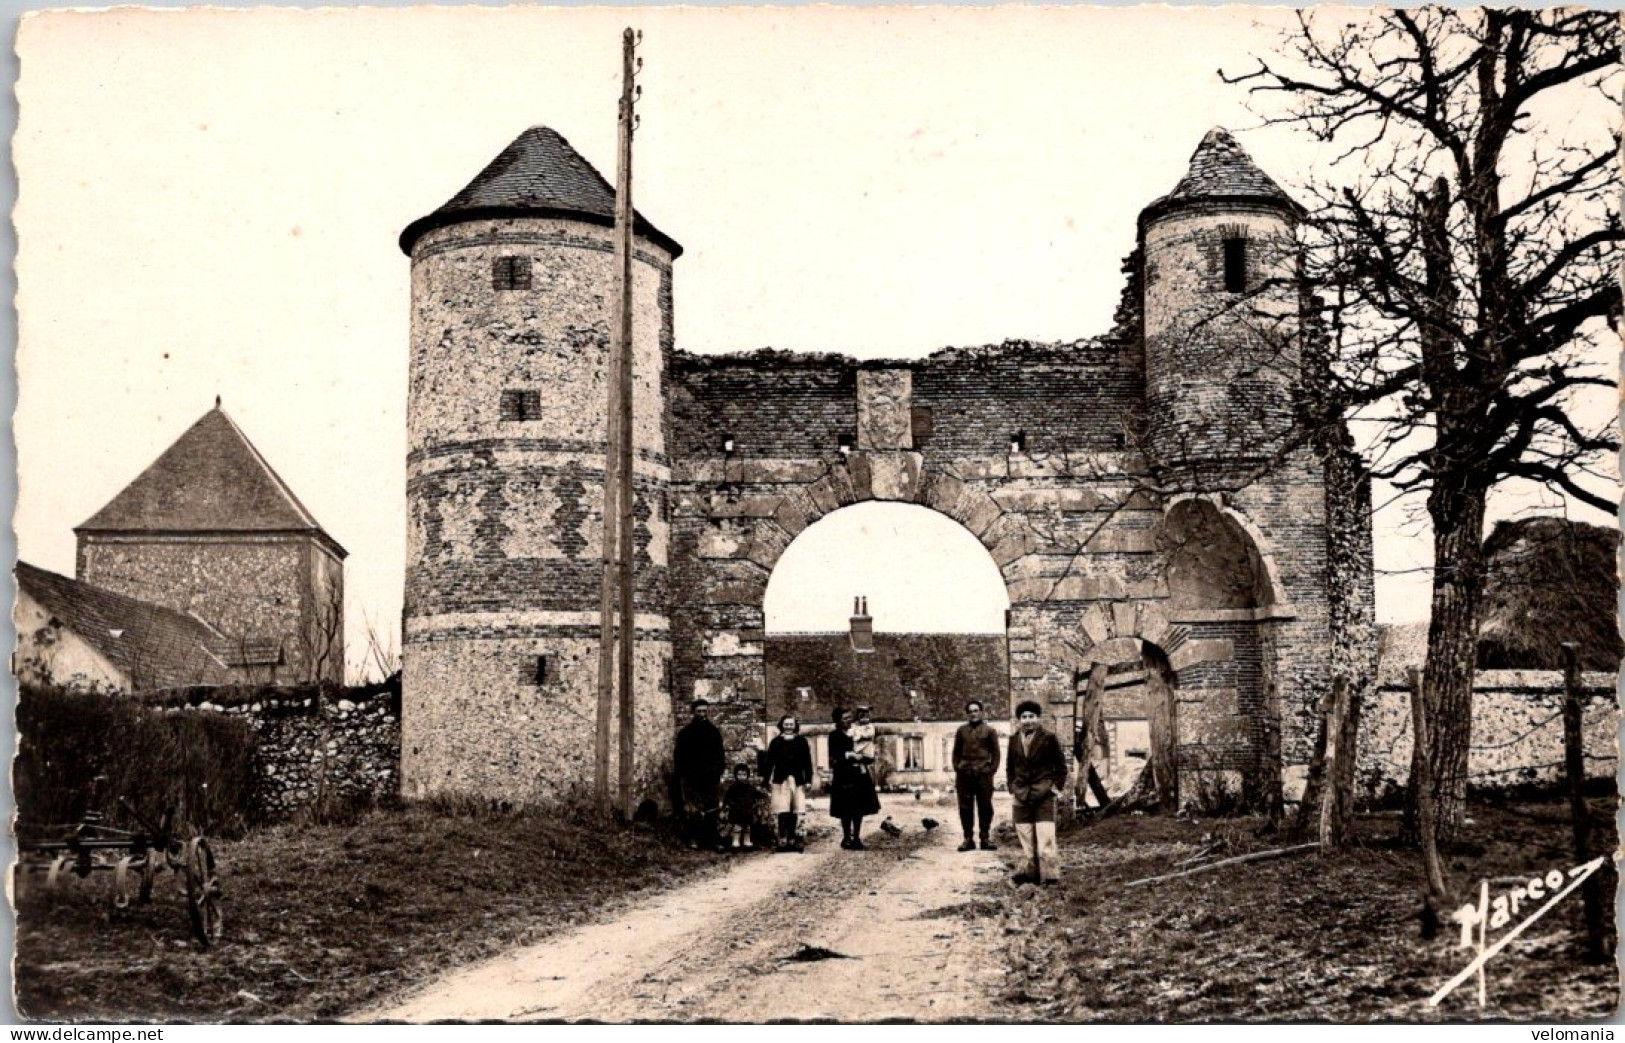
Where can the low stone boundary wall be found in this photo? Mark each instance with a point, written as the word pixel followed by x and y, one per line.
pixel 339 745
pixel 1517 733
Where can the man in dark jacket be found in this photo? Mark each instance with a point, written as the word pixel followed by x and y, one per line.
pixel 1036 771
pixel 976 759
pixel 699 763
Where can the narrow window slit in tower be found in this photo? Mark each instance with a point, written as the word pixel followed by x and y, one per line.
pixel 510 273
pixel 1235 265
pixel 520 404
pixel 540 678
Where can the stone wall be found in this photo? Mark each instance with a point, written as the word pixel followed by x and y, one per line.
pixel 248 586
pixel 340 746
pixel 1032 449
pixel 1517 733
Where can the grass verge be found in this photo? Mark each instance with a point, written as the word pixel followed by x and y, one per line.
pixel 1303 938
pixel 323 919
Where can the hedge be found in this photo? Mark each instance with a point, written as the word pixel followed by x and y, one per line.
pixel 84 751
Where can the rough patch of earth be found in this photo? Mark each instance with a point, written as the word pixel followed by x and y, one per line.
pixel 1301 938
pixel 902 930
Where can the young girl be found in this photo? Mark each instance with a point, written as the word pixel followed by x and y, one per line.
pixel 788 771
pixel 740 804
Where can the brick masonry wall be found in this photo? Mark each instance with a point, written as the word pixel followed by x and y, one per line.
pixel 506 509
pixel 244 585
pixel 1067 514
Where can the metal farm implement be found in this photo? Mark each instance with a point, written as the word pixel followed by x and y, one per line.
pixel 135 859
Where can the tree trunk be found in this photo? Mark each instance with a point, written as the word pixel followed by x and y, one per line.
pixel 1436 892
pixel 1458 580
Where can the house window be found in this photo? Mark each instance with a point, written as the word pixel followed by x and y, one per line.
pixel 1235 265
pixel 510 273
pixel 913 753
pixel 521 404
pixel 541 671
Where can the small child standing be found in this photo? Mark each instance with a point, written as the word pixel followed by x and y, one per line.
pixel 740 803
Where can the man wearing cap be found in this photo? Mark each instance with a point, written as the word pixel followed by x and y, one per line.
pixel 699 762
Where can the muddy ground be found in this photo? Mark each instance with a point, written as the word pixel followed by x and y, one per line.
pixel 1300 938
pixel 423 915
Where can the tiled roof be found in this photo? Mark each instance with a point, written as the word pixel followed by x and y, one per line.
pixel 943 670
pixel 538 175
pixel 155 647
pixel 211 480
pixel 1221 169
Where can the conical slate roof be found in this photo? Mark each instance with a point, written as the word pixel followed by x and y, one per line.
pixel 211 480
pixel 539 175
pixel 1221 171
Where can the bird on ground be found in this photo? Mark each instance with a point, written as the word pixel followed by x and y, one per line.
pixel 890 828
pixel 929 824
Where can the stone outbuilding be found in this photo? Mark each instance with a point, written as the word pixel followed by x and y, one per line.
pixel 211 531
pixel 83 637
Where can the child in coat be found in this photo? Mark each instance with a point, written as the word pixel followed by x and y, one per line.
pixel 739 805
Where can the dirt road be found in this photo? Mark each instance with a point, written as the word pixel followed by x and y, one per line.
pixel 907 929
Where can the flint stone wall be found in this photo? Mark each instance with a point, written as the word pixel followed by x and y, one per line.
pixel 342 746
pixel 1517 735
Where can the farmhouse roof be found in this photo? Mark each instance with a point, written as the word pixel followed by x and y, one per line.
pixel 154 646
pixel 1222 171
pixel 211 479
pixel 538 175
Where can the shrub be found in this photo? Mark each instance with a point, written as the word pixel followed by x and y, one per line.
pixel 81 752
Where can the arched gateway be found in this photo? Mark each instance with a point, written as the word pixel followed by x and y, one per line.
pixel 1059 458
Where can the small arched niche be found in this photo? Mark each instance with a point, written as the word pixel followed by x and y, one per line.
pixel 1212 562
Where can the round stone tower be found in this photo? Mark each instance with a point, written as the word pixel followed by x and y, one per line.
pixel 511 311
pixel 1222 303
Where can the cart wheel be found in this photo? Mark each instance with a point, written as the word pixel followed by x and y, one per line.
pixel 203 893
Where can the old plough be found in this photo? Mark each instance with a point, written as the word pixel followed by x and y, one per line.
pixel 135 859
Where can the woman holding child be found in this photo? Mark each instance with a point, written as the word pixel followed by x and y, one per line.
pixel 851 788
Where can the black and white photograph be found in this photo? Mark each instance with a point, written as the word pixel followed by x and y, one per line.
pixel 687 515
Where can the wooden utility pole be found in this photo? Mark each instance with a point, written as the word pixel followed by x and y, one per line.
pixel 626 550
pixel 615 589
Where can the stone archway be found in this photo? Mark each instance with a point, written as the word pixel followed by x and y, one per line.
pixel 741 522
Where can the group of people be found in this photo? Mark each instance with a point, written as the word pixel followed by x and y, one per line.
pixel 1035 772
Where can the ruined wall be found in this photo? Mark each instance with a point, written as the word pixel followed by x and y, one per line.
pixel 505 439
pixel 1030 447
pixel 246 586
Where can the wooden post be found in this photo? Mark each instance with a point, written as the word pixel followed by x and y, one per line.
pixel 1579 812
pixel 1088 729
pixel 1437 899
pixel 1331 819
pixel 625 548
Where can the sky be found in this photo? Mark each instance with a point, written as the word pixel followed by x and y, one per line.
pixel 209 205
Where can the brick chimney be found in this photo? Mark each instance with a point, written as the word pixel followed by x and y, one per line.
pixel 863 626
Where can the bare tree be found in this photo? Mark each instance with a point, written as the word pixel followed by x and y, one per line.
pixel 1466 272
